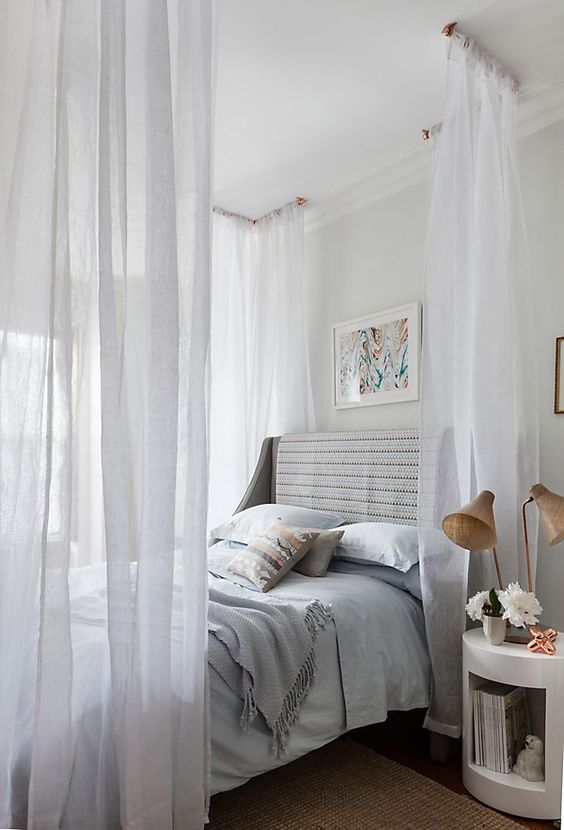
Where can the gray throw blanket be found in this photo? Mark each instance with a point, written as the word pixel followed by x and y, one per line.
pixel 264 650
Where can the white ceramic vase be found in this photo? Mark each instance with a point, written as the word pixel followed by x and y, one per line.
pixel 494 630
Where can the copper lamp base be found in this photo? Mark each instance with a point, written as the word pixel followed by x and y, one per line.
pixel 517 635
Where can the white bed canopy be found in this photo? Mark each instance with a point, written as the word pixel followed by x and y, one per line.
pixel 105 205
pixel 478 422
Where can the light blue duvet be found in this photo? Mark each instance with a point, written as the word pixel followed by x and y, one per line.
pixel 372 659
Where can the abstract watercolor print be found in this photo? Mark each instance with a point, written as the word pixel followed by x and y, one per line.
pixel 374 361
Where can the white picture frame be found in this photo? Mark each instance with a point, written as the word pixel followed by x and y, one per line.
pixel 376 358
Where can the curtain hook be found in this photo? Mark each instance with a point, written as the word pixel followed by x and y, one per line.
pixel 448 30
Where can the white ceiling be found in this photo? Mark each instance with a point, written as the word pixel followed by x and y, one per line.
pixel 315 94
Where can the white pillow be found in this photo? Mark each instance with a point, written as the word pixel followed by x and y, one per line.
pixel 381 543
pixel 255 521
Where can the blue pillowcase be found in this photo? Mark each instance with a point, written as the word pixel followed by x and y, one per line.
pixel 254 521
pixel 381 543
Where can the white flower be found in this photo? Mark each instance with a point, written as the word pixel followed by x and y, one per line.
pixel 475 605
pixel 520 606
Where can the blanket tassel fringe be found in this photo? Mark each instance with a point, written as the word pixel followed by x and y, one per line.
pixel 317 617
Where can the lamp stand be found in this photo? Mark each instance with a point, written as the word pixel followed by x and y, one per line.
pixel 515 637
pixel 526 541
pixel 497 569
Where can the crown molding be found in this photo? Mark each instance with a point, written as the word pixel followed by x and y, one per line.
pixel 539 106
pixel 398 173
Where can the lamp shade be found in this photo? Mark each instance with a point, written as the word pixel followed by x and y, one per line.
pixel 551 509
pixel 473 526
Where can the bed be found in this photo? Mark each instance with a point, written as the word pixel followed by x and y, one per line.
pixel 371 657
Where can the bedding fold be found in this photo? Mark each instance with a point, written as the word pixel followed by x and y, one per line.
pixel 264 650
pixel 381 645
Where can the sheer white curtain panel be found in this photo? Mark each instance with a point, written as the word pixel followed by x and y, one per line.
pixel 478 422
pixel 105 205
pixel 259 354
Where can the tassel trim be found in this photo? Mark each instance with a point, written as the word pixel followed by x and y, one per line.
pixel 317 616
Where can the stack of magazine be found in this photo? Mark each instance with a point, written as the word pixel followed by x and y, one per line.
pixel 501 724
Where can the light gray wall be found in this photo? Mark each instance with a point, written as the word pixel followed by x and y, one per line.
pixel 361 263
pixel 542 170
pixel 373 259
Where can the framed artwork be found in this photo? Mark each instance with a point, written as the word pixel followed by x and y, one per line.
pixel 559 377
pixel 376 358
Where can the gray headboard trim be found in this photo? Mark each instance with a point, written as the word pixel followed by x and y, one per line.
pixel 370 475
pixel 260 489
pixel 275 445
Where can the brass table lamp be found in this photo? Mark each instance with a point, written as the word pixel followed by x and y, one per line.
pixel 551 510
pixel 472 527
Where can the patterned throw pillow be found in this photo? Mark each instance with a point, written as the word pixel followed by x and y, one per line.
pixel 268 558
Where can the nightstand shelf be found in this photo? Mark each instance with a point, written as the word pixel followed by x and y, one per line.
pixel 510 779
pixel 543 678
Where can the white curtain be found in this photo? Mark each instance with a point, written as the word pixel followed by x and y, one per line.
pixel 478 428
pixel 104 327
pixel 259 357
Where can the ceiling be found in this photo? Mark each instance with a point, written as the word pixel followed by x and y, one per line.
pixel 315 94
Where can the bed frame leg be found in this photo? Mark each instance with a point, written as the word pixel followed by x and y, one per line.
pixel 443 748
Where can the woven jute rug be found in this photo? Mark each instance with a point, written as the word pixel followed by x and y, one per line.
pixel 346 786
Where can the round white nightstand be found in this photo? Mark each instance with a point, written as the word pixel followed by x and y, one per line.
pixel 543 677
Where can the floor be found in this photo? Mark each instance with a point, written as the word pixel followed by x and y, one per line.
pixel 403 739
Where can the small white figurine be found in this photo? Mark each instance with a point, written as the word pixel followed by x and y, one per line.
pixel 530 761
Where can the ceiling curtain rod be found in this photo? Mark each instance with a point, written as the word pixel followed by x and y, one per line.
pixel 448 31
pixel 299 200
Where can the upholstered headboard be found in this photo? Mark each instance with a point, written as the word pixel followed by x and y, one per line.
pixel 369 475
